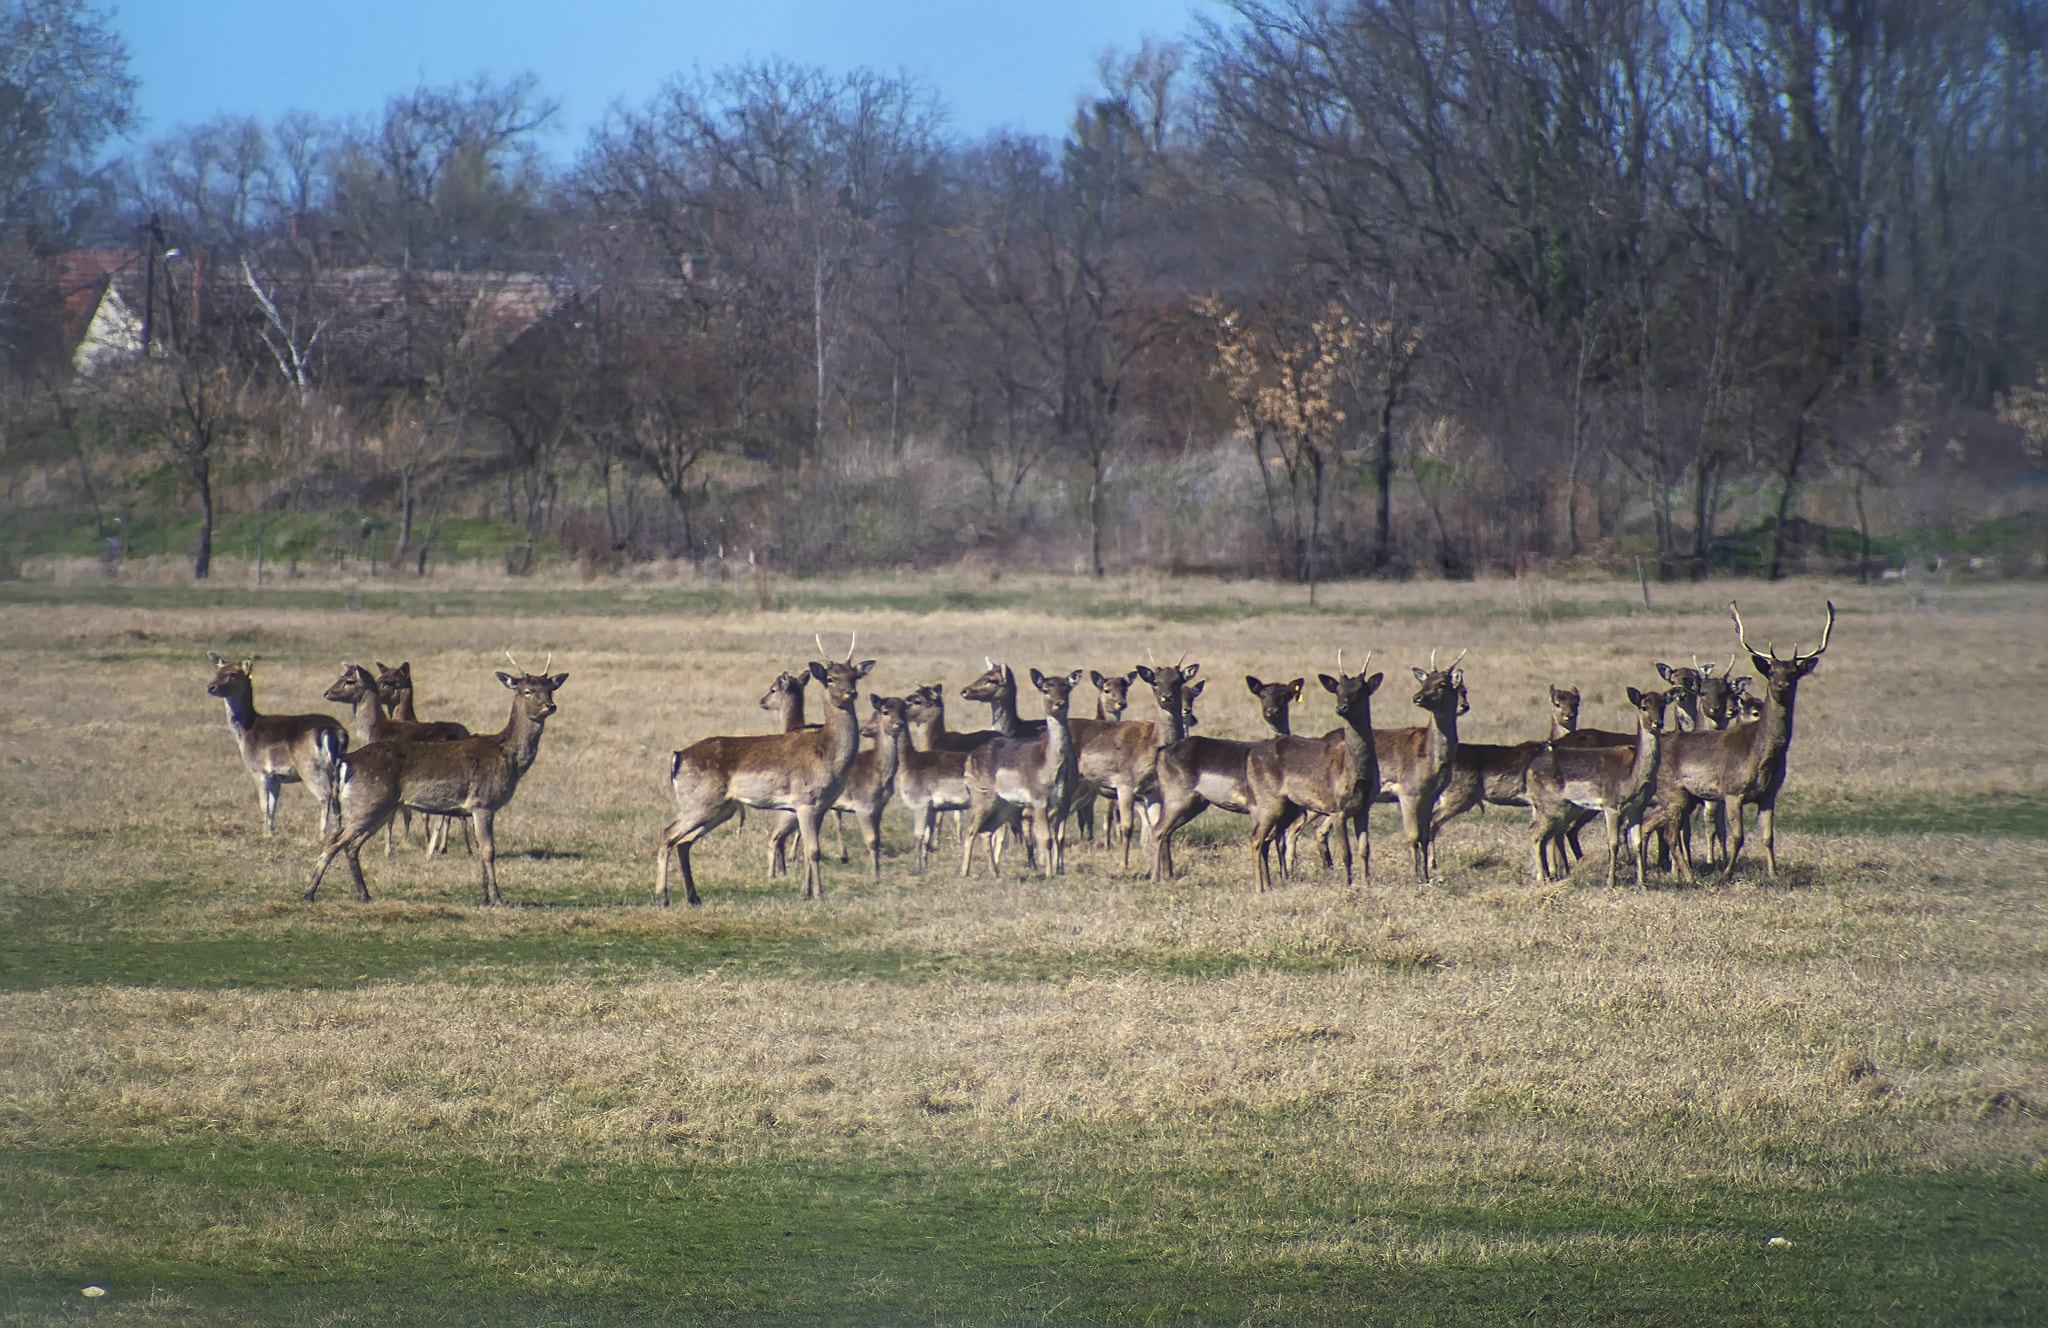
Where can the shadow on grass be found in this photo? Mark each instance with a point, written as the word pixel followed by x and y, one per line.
pixel 463 1239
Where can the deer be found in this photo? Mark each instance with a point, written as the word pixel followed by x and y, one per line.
pixel 1686 686
pixel 1112 698
pixel 1719 704
pixel 785 696
pixel 1039 774
pixel 1198 773
pixel 359 689
pixel 473 777
pixel 395 694
pixel 1415 763
pixel 1741 765
pixel 998 689
pixel 869 784
pixel 1120 756
pixel 929 778
pixel 1495 773
pixel 1276 700
pixel 1617 782
pixel 278 749
pixel 1334 777
pixel 802 772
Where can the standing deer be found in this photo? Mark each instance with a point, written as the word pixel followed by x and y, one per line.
pixel 1617 782
pixel 1334 777
pixel 278 749
pixel 1415 763
pixel 869 784
pixel 802 772
pixel 1744 764
pixel 1686 683
pixel 1484 772
pixel 932 779
pixel 359 690
pixel 473 776
pixel 395 694
pixel 998 689
pixel 1039 774
pixel 1120 756
pixel 785 696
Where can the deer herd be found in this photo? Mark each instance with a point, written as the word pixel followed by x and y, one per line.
pixel 1704 741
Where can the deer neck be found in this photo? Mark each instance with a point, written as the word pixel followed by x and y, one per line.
pixel 1442 734
pixel 1059 744
pixel 241 710
pixel 520 739
pixel 888 753
pixel 1002 710
pixel 792 712
pixel 1649 745
pixel 1358 740
pixel 1172 725
pixel 367 717
pixel 1281 724
pixel 402 710
pixel 842 739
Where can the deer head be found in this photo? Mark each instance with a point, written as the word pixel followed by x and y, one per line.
pixel 354 684
pixel 892 716
pixel 1057 691
pixel 1564 707
pixel 230 676
pixel 1650 706
pixel 842 680
pixel 1116 692
pixel 990 685
pixel 1167 683
pixel 1187 706
pixel 785 683
pixel 1354 691
pixel 1275 698
pixel 1442 690
pixel 533 694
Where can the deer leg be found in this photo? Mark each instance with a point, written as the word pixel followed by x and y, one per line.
pixel 1734 805
pixel 810 825
pixel 779 831
pixel 871 831
pixel 1411 830
pixel 839 830
pixel 266 801
pixel 487 854
pixel 1767 826
pixel 678 835
pixel 1347 857
pixel 1127 819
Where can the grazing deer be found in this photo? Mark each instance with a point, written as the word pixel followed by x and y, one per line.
pixel 1120 756
pixel 1039 774
pixel 278 749
pixel 1744 764
pixel 785 696
pixel 869 784
pixel 466 776
pixel 1333 777
pixel 360 690
pixel 802 772
pixel 1617 782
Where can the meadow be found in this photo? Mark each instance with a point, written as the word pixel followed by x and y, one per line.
pixel 1812 1099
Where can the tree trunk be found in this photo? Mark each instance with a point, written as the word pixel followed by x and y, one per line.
pixel 1792 461
pixel 404 517
pixel 1383 483
pixel 1315 522
pixel 202 479
pixel 1095 514
pixel 1863 529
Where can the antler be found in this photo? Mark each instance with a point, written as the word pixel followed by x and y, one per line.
pixel 1825 633
pixel 1742 636
pixel 1340 661
pixel 1453 665
pixel 550 664
pixel 515 663
pixel 851 643
pixel 819 638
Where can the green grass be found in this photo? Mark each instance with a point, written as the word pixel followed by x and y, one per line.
pixel 462 1238
pixel 1991 814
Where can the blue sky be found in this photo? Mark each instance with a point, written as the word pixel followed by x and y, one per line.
pixel 995 65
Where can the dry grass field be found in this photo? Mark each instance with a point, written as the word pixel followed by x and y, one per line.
pixel 1088 1100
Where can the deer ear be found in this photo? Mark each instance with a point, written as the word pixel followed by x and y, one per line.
pixel 555 683
pixel 1130 677
pixel 1196 690
pixel 1762 663
pixel 1372 684
pixel 1252 683
pixel 1095 678
pixel 1329 683
pixel 1296 687
pixel 818 670
pixel 1635 698
pixel 875 701
pixel 1037 678
pixel 1188 673
pixel 1420 676
pixel 1144 673
pixel 249 664
pixel 1664 672
pixel 864 668
pixel 216 658
pixel 381 668
pixel 1074 678
pixel 508 680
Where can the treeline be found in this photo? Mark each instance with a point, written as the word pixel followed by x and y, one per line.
pixel 1322 289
